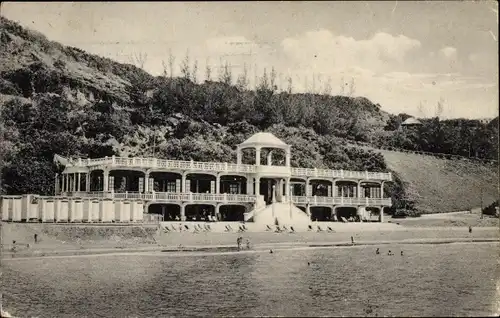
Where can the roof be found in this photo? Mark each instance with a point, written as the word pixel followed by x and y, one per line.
pixel 264 139
pixel 412 121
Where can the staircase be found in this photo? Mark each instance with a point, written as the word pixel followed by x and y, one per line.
pixel 286 213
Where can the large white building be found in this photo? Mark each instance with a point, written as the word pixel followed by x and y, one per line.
pixel 198 191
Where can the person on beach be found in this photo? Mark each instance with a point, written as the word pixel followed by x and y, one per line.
pixel 377 251
pixel 390 253
pixel 248 244
pixel 238 241
pixel 470 229
pixel 352 240
pixel 401 253
pixel 35 237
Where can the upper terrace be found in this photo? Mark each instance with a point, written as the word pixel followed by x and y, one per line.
pixel 258 141
pixel 85 165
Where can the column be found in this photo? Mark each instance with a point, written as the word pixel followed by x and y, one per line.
pixel 381 216
pixel 257 156
pixel 87 182
pixel 270 158
pixel 281 185
pixel 63 181
pixel 183 212
pixel 146 182
pixel 257 185
pixel 359 189
pixel 183 183
pixel 73 182
pixel 382 190
pixel 78 184
pixel 288 190
pixel 249 185
pixel 68 188
pixel 105 177
pixel 56 185
pixel 238 155
pixel 217 184
pixel 308 188
pixel 288 156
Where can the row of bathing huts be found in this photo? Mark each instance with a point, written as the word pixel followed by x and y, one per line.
pixel 33 208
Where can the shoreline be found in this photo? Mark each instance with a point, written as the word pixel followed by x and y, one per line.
pixel 207 249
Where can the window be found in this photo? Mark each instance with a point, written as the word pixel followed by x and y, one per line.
pixel 170 186
pixel 233 188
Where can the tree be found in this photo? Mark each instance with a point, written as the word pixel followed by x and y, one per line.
pixel 290 85
pixel 327 89
pixel 195 72
pixel 440 107
pixel 165 68
pixel 352 87
pixel 273 79
pixel 242 81
pixel 208 71
pixel 139 59
pixel 185 70
pixel 227 74
pixel 171 62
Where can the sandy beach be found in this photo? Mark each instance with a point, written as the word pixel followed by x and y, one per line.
pixel 429 229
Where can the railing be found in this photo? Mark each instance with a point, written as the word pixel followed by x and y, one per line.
pixel 316 200
pixel 226 167
pixel 167 196
pixel 327 173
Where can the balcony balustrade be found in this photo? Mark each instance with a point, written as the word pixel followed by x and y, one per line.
pixel 228 198
pixel 161 164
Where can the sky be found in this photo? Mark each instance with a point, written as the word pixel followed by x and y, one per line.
pixel 405 56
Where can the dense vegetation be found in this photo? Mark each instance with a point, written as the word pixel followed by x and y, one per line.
pixel 57 99
pixel 463 137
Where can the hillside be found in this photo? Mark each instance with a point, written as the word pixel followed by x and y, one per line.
pixel 442 185
pixel 58 99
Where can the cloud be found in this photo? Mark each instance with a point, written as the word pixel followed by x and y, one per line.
pixel 325 51
pixel 448 52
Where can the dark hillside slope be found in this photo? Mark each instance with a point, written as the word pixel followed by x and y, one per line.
pixel 442 185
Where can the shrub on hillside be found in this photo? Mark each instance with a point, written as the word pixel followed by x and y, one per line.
pixel 491 209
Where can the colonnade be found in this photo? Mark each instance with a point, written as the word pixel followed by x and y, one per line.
pixel 72 182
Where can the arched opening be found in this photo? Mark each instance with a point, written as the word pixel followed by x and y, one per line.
pixel 166 181
pixel 232 213
pixel 199 212
pixel 122 181
pixel 370 190
pixel 274 156
pixel 201 183
pixel 266 188
pixel 165 211
pixel 373 214
pixel 321 188
pixel 233 184
pixel 349 213
pixel 320 213
pixel 96 180
pixel 347 189
pixel 298 187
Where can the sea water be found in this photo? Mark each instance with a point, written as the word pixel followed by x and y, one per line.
pixel 428 280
